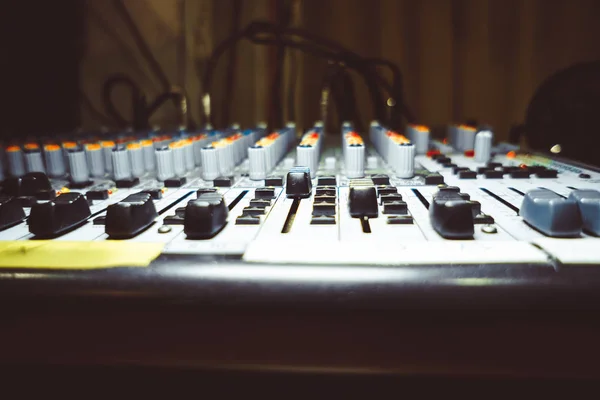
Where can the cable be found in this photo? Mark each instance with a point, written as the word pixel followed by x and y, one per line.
pixel 142 111
pixel 362 66
pixel 256 32
pixel 371 80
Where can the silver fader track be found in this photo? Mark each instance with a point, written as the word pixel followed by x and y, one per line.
pixel 284 197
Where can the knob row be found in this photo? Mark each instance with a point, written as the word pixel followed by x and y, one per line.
pixel 53 159
pixel 264 155
pixel 461 137
pixel 353 150
pixel 396 150
pixel 308 151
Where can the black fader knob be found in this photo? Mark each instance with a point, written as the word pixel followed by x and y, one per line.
pixel 37 184
pixel 298 183
pixel 451 216
pixel 130 216
pixel 362 201
pixel 11 212
pixel 55 217
pixel 205 216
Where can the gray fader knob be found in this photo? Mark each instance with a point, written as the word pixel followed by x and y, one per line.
pixel 551 214
pixel 589 206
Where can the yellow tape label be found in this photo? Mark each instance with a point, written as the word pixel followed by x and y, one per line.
pixel 54 254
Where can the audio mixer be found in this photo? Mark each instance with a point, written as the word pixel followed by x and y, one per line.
pixel 247 247
pixel 304 199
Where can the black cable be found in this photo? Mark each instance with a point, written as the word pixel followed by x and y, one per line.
pixel 339 54
pixel 136 97
pixel 142 111
pixel 371 79
pixel 355 62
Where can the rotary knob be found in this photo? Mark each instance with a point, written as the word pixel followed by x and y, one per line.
pixel 78 166
pixel 34 161
pixel 149 156
pixel 210 163
pixel 16 165
pixel 178 158
pixel 55 161
pixel 419 136
pixel 95 158
pixel 403 160
pixel 136 159
pixel 164 164
pixel 257 160
pixel 355 160
pixel 483 146
pixel 120 163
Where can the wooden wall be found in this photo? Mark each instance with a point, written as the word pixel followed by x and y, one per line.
pixel 461 59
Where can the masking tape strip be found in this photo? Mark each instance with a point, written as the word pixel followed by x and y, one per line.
pixel 50 254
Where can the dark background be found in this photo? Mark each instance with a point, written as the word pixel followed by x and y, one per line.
pixel 461 59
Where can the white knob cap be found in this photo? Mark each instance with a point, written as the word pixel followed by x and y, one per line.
pixel 483 146
pixel 465 138
pixel 164 164
pixel 419 136
pixel 149 156
pixel 78 166
pixel 136 159
pixel 403 160
pixel 188 153
pixel 355 160
pixel 258 168
pixel 178 158
pixel 55 161
pixel 107 148
pixel 121 164
pixel 210 163
pixel 95 159
pixel 34 161
pixel 307 156
pixel 197 146
pixel 16 164
pixel 225 159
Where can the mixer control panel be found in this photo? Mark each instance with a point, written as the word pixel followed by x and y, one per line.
pixel 380 198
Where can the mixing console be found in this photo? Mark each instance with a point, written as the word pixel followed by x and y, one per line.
pixel 399 200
